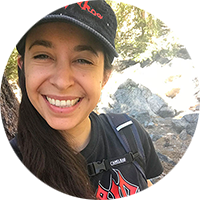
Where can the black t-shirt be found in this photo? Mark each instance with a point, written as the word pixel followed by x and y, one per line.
pixel 121 180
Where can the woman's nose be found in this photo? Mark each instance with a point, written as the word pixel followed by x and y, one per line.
pixel 62 76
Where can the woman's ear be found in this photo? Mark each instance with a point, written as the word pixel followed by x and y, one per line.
pixel 20 62
pixel 107 74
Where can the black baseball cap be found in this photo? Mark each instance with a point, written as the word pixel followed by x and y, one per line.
pixel 97 17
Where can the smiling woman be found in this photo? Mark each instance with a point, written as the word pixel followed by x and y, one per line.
pixel 65 61
pixel 53 69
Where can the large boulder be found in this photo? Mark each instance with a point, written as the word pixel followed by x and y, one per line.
pixel 137 100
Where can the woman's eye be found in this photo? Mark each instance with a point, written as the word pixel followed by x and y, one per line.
pixel 41 56
pixel 83 61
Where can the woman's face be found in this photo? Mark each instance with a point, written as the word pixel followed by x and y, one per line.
pixel 64 72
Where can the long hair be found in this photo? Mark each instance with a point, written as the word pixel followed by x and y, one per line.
pixel 47 154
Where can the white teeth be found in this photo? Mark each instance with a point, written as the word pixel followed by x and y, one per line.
pixel 58 103
pixel 68 103
pixel 62 103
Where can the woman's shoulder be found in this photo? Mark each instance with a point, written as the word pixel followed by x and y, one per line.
pixel 14 144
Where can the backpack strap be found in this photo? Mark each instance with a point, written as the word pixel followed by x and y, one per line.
pixel 128 135
pixel 13 143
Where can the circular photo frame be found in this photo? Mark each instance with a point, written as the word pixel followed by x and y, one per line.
pixel 153 80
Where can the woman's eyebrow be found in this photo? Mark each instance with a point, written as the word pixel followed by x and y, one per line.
pixel 49 44
pixel 85 48
pixel 44 43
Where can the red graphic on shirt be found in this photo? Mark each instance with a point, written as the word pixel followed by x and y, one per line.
pixel 117 190
pixel 85 6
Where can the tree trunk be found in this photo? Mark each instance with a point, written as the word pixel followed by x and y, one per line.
pixel 9 109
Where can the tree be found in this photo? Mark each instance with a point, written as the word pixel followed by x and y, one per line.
pixel 141 36
pixel 9 108
pixel 8 100
pixel 11 70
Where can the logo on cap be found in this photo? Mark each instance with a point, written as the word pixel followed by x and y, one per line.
pixel 85 6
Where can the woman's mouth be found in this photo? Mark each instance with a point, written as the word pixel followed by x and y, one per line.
pixel 62 103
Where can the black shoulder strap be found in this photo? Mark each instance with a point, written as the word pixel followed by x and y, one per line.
pixel 128 135
pixel 15 147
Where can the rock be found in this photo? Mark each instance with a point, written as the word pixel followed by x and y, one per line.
pixel 165 158
pixel 159 58
pixel 166 112
pixel 150 125
pixel 198 95
pixel 155 137
pixel 188 122
pixel 143 117
pixel 191 118
pixel 179 124
pixel 129 98
pixel 172 93
pixel 195 108
pixel 183 53
pixel 191 128
pixel 183 135
pixel 156 103
pixel 128 84
pixel 139 101
pixel 145 91
pixel 123 64
pixel 146 63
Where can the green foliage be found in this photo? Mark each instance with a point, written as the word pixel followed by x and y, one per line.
pixel 140 36
pixel 11 71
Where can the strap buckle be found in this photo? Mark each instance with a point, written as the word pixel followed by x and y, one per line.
pixel 134 156
pixel 96 167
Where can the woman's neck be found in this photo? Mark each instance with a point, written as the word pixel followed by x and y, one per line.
pixel 79 137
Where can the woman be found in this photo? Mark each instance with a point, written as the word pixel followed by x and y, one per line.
pixel 65 60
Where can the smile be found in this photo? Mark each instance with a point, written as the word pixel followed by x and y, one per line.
pixel 62 103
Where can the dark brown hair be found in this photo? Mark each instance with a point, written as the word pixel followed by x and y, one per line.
pixel 47 154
